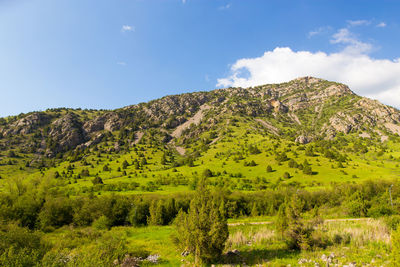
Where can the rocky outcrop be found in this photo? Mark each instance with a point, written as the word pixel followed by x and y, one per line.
pixel 94 125
pixel 109 122
pixel 28 124
pixel 302 139
pixel 67 132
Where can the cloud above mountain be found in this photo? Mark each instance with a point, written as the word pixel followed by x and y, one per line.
pixel 365 75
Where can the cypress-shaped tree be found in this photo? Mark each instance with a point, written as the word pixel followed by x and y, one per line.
pixel 202 231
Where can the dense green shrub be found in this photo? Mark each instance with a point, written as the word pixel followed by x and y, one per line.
pixel 21 247
pixel 138 214
pixel 392 222
pixel 56 212
pixel 102 223
pixel 203 230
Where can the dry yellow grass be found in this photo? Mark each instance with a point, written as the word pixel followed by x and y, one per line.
pixel 361 232
pixel 240 238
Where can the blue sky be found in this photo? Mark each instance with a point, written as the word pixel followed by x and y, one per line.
pixel 109 54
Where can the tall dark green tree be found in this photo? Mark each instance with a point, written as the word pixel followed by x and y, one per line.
pixel 202 231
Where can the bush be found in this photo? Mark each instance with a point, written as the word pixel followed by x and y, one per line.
pixel 286 175
pixel 356 205
pixel 56 212
pixel 300 234
pixel 307 170
pixel 392 222
pixel 202 231
pixel 269 168
pixel 97 180
pixel 21 247
pixel 138 214
pixel 341 239
pixel 104 251
pixel 207 173
pixel 379 210
pixel 102 223
pixel 395 239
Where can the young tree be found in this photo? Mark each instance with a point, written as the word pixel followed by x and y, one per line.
pixel 269 168
pixel 202 231
pixel 281 219
pixel 254 210
pixel 298 233
pixel 97 180
pixel 125 164
pixel 286 175
pixel 156 213
pixel 163 159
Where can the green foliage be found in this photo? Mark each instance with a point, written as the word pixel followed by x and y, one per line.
pixel 309 151
pixel 392 222
pixel 55 212
pixel 356 205
pixel 250 164
pixel 207 173
pixel 102 223
pixel 307 168
pixel 395 239
pixel 97 180
pixel 254 150
pixel 281 220
pixel 299 233
pixel 156 213
pixel 21 247
pixel 138 214
pixel 269 168
pixel 203 230
pixel 281 157
pixel 292 163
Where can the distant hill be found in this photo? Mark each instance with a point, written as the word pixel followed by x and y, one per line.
pixel 303 109
pixel 307 132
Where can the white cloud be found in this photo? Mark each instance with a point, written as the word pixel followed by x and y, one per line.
pixel 375 78
pixel 358 22
pixel 315 32
pixel 184 1
pixel 352 44
pixel 127 28
pixel 319 31
pixel 121 63
pixel 227 6
pixel 381 25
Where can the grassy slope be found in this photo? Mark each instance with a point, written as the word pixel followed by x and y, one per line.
pixel 220 157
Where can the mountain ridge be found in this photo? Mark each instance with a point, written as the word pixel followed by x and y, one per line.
pixel 303 109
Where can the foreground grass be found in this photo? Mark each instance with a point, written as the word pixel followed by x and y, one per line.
pixel 365 241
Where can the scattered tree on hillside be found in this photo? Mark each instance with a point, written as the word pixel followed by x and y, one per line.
pixel 269 168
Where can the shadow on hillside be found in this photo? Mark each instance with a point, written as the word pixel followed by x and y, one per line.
pixel 256 256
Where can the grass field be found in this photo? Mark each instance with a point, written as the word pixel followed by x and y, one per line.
pixel 365 241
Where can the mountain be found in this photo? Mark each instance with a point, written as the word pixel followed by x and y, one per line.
pixel 307 132
pixel 303 109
